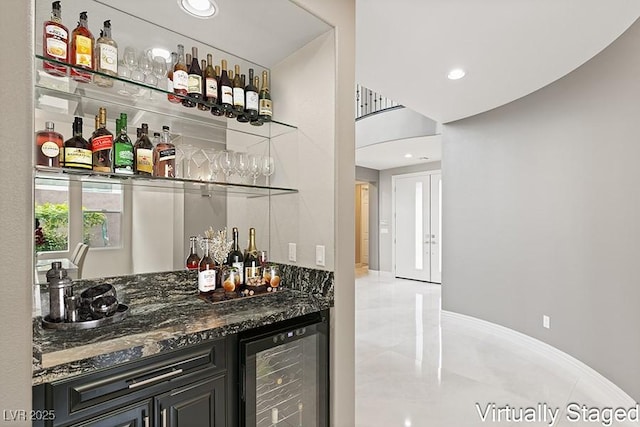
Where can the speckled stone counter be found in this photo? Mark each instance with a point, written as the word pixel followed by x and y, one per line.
pixel 166 314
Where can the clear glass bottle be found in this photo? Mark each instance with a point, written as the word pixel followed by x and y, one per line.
pixel 49 145
pixel 207 272
pixel 81 55
pixel 164 156
pixel 143 153
pixel 77 150
pixel 55 43
pixel 106 57
pixel 193 260
pixel 123 149
pixel 102 144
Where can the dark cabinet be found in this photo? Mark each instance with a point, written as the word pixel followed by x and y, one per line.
pixel 138 415
pixel 197 405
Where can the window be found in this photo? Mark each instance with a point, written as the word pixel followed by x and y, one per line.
pixel 52 214
pixel 102 214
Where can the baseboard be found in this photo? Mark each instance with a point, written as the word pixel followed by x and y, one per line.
pixel 579 368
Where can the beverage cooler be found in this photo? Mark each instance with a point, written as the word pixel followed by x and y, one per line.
pixel 284 374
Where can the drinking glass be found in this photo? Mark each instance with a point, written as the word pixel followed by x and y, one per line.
pixel 179 163
pixel 227 161
pixel 188 151
pixel 271 276
pixel 160 70
pixel 267 168
pixel 262 258
pixel 255 167
pixel 230 279
pixel 146 66
pixel 242 165
pixel 199 158
pixel 213 163
pixel 125 73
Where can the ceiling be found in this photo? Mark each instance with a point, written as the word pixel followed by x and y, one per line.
pixel 391 154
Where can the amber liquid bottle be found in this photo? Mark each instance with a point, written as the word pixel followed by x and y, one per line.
pixel 49 145
pixel 143 153
pixel 164 156
pixel 207 272
pixel 252 270
pixel 193 260
pixel 55 42
pixel 202 106
pixel 77 150
pixel 81 55
pixel 102 144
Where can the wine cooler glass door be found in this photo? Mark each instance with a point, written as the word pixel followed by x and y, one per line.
pixel 285 378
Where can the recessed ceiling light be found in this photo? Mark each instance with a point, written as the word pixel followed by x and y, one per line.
pixel 408 155
pixel 199 8
pixel 456 73
pixel 161 52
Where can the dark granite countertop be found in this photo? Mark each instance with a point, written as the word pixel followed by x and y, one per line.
pixel 166 314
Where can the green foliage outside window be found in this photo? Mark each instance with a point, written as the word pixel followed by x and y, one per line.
pixel 54 219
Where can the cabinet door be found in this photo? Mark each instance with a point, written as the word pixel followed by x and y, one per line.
pixel 201 404
pixel 131 416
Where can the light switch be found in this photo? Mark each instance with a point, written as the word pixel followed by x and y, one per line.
pixel 292 252
pixel 320 255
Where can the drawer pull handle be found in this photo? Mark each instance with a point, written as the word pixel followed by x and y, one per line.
pixel 164 417
pixel 146 421
pixel 154 379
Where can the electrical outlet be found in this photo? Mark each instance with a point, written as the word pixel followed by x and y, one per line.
pixel 292 252
pixel 320 255
pixel 546 321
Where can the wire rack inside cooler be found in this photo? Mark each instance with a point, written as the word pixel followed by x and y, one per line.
pixel 280 377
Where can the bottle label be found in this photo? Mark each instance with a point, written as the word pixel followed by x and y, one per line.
pixel 167 154
pixel 227 94
pixel 83 51
pixel 194 83
pixel 238 97
pixel 240 267
pixel 56 42
pixel 144 160
pixel 253 276
pixel 123 157
pixel 252 100
pixel 207 280
pixel 104 142
pixel 180 80
pixel 78 158
pixel 265 107
pixel 211 88
pixel 50 149
pixel 108 58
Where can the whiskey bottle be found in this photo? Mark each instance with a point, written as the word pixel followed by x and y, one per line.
pixel 201 105
pixel 81 54
pixel 180 75
pixel 252 270
pixel 193 260
pixel 49 145
pixel 77 150
pixel 170 96
pixel 122 148
pixel 257 120
pixel 106 57
pixel 102 144
pixel 266 107
pixel 238 92
pixel 251 98
pixel 207 272
pixel 235 257
pixel 216 109
pixel 143 153
pixel 55 42
pixel 226 89
pixel 164 156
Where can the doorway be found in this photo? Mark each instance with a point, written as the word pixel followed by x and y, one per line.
pixel 417 229
pixel 362 227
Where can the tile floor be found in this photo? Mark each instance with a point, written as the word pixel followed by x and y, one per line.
pixel 418 368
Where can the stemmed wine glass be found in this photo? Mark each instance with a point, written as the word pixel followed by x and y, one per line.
pixel 199 157
pixel 267 168
pixel 242 165
pixel 227 161
pixel 125 73
pixel 188 151
pixel 130 60
pixel 159 69
pixel 213 163
pixel 146 66
pixel 255 167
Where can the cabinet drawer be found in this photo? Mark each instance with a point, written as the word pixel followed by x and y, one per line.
pixel 94 393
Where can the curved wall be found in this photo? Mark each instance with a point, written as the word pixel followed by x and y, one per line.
pixel 541 213
pixel 392 124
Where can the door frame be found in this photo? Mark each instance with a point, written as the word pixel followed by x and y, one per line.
pixel 393 208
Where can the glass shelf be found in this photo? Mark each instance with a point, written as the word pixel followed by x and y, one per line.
pixel 206 188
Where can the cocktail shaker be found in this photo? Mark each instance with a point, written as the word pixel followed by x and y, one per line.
pixel 60 288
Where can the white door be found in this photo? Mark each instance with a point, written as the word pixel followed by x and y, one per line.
pixel 417 227
pixel 364 224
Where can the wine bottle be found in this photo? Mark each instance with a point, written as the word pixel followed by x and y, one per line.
pixel 164 156
pixel 266 106
pixel 122 148
pixel 226 89
pixel 207 272
pixel 82 42
pixel 231 111
pixel 257 120
pixel 143 153
pixel 235 257
pixel 216 109
pixel 210 82
pixel 77 150
pixel 238 92
pixel 252 273
pixel 180 75
pixel 49 145
pixel 106 57
pixel 251 103
pixel 194 82
pixel 242 116
pixel 171 96
pixel 55 42
pixel 201 105
pixel 102 144
pixel 193 260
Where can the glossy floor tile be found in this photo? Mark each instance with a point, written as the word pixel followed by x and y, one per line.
pixel 418 367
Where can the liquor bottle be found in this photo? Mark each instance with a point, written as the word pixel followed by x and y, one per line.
pixel 226 89
pixel 194 82
pixel 251 98
pixel 210 82
pixel 77 150
pixel 143 153
pixel 242 116
pixel 49 145
pixel 106 57
pixel 266 107
pixel 55 42
pixel 201 105
pixel 102 144
pixel 122 148
pixel 216 109
pixel 252 272
pixel 207 272
pixel 257 120
pixel 193 260
pixel 170 96
pixel 164 156
pixel 235 257
pixel 180 75
pixel 81 54
pixel 238 92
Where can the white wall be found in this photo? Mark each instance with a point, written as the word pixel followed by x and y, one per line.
pixel 541 209
pixel 374 129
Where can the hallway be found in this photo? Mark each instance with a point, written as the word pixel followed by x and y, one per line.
pixel 416 367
